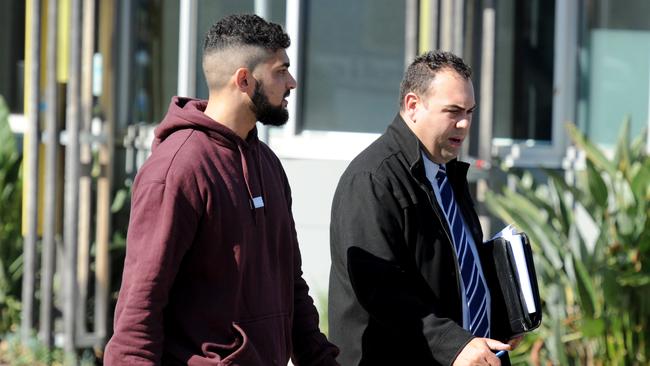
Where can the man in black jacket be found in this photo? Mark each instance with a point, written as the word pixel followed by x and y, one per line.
pixel 406 284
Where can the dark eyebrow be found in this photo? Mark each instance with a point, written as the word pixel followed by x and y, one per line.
pixel 455 106
pixel 286 64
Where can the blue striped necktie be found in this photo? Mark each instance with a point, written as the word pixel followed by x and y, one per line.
pixel 475 290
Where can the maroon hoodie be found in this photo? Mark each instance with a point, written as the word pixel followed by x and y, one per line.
pixel 212 274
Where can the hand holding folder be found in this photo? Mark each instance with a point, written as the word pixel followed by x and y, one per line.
pixel 509 269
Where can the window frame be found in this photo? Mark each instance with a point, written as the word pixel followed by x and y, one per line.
pixel 553 153
pixel 290 141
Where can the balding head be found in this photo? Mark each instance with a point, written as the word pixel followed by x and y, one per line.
pixel 421 72
pixel 239 41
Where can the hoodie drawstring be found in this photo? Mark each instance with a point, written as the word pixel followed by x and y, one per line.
pixel 255 200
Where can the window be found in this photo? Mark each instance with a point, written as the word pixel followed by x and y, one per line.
pixel 535 78
pixel 12 44
pixel 348 58
pixel 353 64
pixel 616 79
pixel 524 70
pixel 150 73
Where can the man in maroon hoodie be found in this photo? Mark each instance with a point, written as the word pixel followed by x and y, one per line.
pixel 212 274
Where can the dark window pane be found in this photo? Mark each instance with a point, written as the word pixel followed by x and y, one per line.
pixel 154 72
pixel 524 70
pixel 353 64
pixel 12 48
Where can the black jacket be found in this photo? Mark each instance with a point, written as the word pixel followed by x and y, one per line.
pixel 394 294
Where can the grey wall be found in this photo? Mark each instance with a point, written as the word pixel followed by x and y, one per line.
pixel 312 184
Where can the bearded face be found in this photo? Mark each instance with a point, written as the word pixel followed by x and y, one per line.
pixel 265 112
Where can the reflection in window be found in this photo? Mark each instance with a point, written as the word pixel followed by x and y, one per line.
pixel 353 64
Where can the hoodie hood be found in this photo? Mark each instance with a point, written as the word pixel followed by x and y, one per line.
pixel 187 113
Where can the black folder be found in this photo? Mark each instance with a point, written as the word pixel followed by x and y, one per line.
pixel 511 315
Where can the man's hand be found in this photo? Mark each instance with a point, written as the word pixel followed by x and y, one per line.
pixel 479 351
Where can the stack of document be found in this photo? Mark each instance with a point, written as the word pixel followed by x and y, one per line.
pixel 509 269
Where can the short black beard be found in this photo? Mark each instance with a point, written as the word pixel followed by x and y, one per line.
pixel 265 112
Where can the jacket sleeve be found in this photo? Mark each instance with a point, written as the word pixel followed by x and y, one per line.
pixel 161 228
pixel 370 242
pixel 310 346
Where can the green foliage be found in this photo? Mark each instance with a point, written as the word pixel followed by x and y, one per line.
pixel 591 239
pixel 33 353
pixel 10 220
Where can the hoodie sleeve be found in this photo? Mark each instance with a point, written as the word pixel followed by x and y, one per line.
pixel 162 225
pixel 310 346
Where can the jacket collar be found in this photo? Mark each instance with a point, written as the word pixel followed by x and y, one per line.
pixel 403 139
pixel 410 146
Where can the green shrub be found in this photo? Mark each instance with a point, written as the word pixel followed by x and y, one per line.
pixel 31 353
pixel 11 244
pixel 14 352
pixel 591 239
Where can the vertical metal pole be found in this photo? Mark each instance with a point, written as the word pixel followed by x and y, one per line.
pixel 411 32
pixel 187 48
pixel 458 27
pixel 51 166
pixel 487 80
pixel 487 99
pixel 435 25
pixel 262 9
pixel 446 26
pixel 647 141
pixel 457 48
pixel 107 102
pixel 429 23
pixel 29 250
pixel 565 71
pixel 124 51
pixel 293 23
pixel 85 157
pixel 71 208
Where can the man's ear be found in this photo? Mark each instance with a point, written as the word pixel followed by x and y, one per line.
pixel 244 80
pixel 411 103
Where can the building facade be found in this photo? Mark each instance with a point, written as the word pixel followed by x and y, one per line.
pixel 537 65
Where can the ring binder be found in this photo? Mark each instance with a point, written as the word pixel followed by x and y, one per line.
pixel 510 272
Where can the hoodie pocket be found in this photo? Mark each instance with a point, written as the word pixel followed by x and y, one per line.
pixel 240 353
pixel 270 337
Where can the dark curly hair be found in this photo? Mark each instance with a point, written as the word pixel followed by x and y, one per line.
pixel 424 68
pixel 245 29
pixel 239 41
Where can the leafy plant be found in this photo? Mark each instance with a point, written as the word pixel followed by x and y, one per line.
pixel 33 353
pixel 591 237
pixel 10 220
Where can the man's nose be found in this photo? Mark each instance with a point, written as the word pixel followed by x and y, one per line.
pixel 464 122
pixel 292 82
